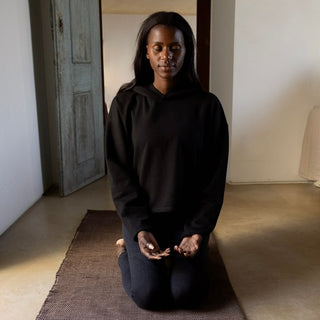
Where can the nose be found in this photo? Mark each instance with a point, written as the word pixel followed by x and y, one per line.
pixel 166 54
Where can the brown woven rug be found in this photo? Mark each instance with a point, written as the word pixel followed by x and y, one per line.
pixel 88 284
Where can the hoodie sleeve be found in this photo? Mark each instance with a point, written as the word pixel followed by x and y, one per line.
pixel 129 199
pixel 212 177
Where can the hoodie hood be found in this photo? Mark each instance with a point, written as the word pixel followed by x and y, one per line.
pixel 151 92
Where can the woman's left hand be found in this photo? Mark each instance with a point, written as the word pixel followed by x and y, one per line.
pixel 189 246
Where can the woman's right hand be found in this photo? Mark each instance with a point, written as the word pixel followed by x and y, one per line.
pixel 149 246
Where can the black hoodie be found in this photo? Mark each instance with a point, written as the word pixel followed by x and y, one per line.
pixel 167 153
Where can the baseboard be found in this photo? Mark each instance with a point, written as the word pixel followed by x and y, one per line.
pixel 234 183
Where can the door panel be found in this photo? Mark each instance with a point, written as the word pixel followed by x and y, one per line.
pixel 84 129
pixel 80 31
pixel 76 25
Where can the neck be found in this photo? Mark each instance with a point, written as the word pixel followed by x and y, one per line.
pixel 165 85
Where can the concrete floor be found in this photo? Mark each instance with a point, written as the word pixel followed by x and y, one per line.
pixel 268 236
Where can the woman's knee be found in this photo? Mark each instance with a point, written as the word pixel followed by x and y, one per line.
pixel 151 296
pixel 189 293
pixel 184 295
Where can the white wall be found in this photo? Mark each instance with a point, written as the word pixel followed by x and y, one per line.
pixel 20 168
pixel 276 81
pixel 222 51
pixel 119 39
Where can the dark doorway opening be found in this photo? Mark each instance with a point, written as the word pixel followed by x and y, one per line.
pixel 203 41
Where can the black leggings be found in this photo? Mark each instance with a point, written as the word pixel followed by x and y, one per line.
pixel 162 284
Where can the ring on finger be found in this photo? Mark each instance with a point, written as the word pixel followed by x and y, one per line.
pixel 149 246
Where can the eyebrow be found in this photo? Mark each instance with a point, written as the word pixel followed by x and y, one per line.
pixel 159 42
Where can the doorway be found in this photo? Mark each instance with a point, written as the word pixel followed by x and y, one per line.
pixel 68 78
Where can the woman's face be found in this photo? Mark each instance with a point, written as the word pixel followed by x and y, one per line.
pixel 166 52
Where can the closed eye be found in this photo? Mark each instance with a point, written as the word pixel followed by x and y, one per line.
pixel 175 48
pixel 172 48
pixel 157 48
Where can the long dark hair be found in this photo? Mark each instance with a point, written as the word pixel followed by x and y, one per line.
pixel 142 69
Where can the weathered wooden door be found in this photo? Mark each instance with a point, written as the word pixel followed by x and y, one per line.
pixel 76 29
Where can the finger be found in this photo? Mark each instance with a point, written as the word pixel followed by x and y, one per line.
pixel 144 244
pixel 183 247
pixel 164 253
pixel 179 250
pixel 150 255
pixel 189 256
pixel 161 252
pixel 143 248
pixel 185 252
pixel 158 255
pixel 150 246
pixel 153 255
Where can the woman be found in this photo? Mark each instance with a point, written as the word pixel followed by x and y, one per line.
pixel 167 150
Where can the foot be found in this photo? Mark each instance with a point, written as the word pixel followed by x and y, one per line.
pixel 120 247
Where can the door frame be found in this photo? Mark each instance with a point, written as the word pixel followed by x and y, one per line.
pixel 203 41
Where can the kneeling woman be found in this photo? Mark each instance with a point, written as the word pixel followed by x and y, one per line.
pixel 167 150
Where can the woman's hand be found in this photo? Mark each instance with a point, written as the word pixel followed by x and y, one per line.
pixel 149 246
pixel 189 246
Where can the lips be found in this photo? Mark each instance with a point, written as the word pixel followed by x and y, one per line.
pixel 167 67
